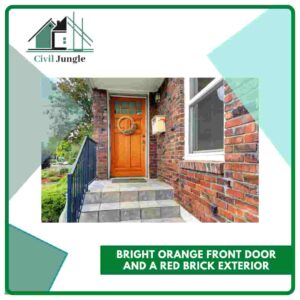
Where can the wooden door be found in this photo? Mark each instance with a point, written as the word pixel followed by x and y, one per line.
pixel 127 150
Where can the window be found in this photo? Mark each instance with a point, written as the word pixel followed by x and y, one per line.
pixel 198 84
pixel 128 108
pixel 204 111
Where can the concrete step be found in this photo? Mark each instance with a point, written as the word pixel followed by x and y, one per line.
pixel 161 220
pixel 123 211
pixel 128 195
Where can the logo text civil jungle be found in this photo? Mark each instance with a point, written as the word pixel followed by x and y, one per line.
pixel 51 58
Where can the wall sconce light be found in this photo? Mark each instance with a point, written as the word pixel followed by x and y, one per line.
pixel 157 97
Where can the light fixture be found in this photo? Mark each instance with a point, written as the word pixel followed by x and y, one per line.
pixel 157 97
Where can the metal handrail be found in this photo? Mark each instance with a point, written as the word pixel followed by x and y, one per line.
pixel 82 174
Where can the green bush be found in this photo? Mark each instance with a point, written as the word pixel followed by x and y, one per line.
pixel 46 173
pixel 63 148
pixel 54 173
pixel 53 179
pixel 63 171
pixel 53 200
pixel 72 154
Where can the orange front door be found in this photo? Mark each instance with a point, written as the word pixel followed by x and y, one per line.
pixel 127 148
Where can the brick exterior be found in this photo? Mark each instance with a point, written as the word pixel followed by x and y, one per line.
pixel 241 160
pixel 100 131
pixel 170 145
pixel 212 191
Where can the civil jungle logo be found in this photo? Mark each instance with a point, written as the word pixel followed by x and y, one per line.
pixel 62 42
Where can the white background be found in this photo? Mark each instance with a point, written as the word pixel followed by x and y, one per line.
pixel 158 44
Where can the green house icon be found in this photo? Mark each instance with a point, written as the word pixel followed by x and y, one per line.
pixel 61 36
pixel 43 37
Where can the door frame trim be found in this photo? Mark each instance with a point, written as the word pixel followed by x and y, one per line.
pixel 147 131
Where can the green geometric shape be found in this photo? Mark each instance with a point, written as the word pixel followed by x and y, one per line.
pixel 43 38
pixel 262 51
pixel 247 90
pixel 33 263
pixel 29 126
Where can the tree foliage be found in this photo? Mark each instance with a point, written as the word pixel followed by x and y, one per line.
pixel 70 114
pixel 78 90
pixel 64 114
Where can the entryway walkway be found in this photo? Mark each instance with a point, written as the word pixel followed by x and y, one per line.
pixel 150 201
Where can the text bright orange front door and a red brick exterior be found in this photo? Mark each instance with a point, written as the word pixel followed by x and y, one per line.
pixel 213 191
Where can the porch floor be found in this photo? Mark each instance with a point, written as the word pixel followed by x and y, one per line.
pixel 109 186
pixel 151 201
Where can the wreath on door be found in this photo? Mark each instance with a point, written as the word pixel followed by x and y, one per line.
pixel 132 128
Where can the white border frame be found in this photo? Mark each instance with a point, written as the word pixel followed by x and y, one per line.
pixel 217 155
pixel 147 120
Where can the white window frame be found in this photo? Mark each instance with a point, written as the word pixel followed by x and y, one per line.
pixel 218 154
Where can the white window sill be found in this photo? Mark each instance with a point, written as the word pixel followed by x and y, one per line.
pixel 214 156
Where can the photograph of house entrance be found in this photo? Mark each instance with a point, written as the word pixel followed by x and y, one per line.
pixel 170 150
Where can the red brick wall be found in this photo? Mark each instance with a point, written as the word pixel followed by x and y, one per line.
pixel 170 145
pixel 100 131
pixel 241 160
pixel 212 191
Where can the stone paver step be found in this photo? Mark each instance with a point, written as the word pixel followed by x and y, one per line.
pixel 161 220
pixel 126 196
pixel 130 211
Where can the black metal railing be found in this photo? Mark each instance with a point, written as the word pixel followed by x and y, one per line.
pixel 83 172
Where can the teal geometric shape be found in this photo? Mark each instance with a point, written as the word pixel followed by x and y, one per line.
pixel 262 51
pixel 43 38
pixel 33 263
pixel 28 124
pixel 247 90
pixel 26 121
